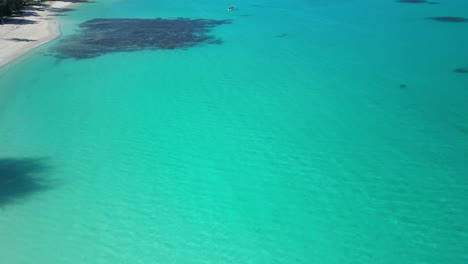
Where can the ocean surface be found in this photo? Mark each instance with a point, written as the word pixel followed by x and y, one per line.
pixel 312 131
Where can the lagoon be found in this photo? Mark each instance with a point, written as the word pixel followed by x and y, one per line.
pixel 312 132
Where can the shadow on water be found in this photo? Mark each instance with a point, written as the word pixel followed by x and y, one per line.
pixel 23 177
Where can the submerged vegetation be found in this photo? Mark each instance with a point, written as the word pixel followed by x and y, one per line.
pixel 101 36
pixel 449 19
pixel 417 2
pixel 461 70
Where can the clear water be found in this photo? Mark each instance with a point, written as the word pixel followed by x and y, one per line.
pixel 294 149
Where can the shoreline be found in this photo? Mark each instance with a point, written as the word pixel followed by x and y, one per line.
pixel 22 33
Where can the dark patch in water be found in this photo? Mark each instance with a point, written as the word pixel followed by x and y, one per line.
pixel 417 2
pixel 282 35
pixel 21 177
pixel 449 19
pixel 462 129
pixel 412 1
pixel 461 70
pixel 215 41
pixel 403 86
pixel 101 36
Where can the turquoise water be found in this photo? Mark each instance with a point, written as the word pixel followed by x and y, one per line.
pixel 292 142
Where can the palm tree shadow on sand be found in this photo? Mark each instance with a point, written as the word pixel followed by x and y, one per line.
pixel 20 178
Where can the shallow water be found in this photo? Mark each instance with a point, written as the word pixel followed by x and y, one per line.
pixel 317 132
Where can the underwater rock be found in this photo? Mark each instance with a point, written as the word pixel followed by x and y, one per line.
pixel 101 36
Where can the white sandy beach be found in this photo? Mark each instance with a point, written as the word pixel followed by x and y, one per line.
pixel 21 34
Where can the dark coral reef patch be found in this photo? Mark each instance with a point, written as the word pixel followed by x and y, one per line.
pixel 413 1
pixel 417 2
pixel 461 70
pixel 449 19
pixel 101 36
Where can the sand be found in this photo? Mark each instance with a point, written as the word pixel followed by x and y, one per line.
pixel 20 34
